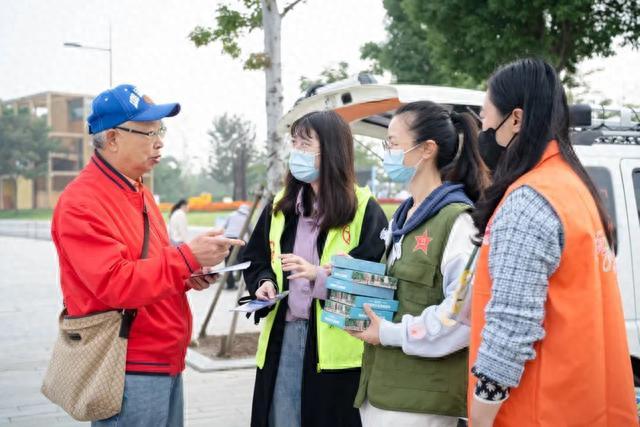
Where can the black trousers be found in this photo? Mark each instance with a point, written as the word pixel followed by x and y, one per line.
pixel 233 275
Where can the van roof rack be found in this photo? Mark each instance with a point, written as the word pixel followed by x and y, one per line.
pixel 594 117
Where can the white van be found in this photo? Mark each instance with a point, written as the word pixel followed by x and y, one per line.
pixel 609 150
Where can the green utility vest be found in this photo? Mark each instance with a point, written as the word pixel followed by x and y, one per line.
pixel 393 380
pixel 336 348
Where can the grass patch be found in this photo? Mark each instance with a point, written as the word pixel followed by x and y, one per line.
pixel 27 214
pixel 389 209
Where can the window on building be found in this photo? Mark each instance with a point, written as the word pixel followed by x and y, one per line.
pixel 602 179
pixel 76 109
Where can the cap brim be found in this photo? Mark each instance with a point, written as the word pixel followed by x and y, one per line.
pixel 157 112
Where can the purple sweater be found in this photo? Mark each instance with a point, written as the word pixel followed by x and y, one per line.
pixel 302 291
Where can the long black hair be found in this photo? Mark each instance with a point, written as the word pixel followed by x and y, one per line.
pixel 177 206
pixel 533 86
pixel 428 120
pixel 336 198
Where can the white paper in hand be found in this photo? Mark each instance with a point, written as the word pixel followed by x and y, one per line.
pixel 211 271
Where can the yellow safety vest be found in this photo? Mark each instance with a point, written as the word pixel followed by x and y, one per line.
pixel 336 348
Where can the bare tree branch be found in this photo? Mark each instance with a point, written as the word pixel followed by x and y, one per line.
pixel 288 8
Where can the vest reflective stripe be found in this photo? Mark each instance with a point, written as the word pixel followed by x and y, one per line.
pixel 336 348
pixel 582 371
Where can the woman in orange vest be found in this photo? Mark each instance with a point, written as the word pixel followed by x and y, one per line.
pixel 548 344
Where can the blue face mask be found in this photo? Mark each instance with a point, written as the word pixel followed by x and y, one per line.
pixel 302 166
pixel 394 165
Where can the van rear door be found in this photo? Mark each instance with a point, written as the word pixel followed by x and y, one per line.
pixel 630 170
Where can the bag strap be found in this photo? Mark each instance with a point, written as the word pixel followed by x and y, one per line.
pixel 129 315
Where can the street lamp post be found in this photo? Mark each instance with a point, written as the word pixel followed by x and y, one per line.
pixel 103 49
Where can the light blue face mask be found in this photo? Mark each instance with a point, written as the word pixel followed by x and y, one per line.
pixel 394 165
pixel 302 166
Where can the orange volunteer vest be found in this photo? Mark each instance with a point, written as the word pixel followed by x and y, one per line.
pixel 581 375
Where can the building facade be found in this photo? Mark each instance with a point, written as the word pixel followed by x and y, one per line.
pixel 66 116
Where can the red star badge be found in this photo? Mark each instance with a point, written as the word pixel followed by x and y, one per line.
pixel 422 242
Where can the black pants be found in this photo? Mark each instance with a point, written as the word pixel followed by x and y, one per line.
pixel 233 275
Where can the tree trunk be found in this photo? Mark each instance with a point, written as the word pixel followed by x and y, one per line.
pixel 271 21
pixel 240 176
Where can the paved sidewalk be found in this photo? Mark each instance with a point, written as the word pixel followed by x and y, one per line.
pixel 29 304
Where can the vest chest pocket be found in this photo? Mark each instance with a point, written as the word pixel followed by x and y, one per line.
pixel 418 287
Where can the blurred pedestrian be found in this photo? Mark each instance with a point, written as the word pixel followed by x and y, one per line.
pixel 178 223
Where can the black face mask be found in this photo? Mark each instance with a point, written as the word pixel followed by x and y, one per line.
pixel 490 150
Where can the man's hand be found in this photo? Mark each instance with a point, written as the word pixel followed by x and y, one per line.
pixel 370 335
pixel 211 248
pixel 301 268
pixel 201 283
pixel 266 291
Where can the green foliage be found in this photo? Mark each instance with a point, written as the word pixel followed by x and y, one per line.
pixel 202 182
pixel 364 154
pixel 232 150
pixel 406 53
pixel 24 144
pixel 461 42
pixel 168 180
pixel 256 173
pixel 231 25
pixel 328 75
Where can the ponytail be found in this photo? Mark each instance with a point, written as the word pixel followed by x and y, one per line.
pixel 458 161
pixel 468 168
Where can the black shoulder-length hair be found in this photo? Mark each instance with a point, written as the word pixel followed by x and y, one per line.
pixel 177 206
pixel 532 85
pixel 336 198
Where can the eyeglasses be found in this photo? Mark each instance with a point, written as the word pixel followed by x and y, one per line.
pixel 387 145
pixel 160 133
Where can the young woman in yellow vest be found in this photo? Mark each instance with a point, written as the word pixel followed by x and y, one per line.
pixel 308 370
pixel 414 369
pixel 548 343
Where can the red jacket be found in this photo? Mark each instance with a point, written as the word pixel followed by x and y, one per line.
pixel 98 230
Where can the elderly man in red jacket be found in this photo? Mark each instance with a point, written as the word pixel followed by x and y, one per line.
pixel 99 228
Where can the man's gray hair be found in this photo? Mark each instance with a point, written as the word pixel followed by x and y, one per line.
pixel 99 139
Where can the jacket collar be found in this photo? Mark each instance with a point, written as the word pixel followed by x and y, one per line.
pixel 112 173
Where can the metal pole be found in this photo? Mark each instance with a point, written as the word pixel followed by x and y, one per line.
pixel 110 59
pixel 232 260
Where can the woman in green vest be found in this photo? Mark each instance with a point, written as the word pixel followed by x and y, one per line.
pixel 414 370
pixel 308 371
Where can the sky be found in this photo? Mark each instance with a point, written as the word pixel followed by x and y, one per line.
pixel 151 50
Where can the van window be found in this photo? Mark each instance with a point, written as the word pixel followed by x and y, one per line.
pixel 602 179
pixel 636 189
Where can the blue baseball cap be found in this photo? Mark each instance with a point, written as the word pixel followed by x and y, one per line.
pixel 125 103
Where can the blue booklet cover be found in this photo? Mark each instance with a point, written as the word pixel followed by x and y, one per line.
pixel 344 322
pixel 343 261
pixel 359 301
pixel 357 289
pixel 354 312
pixel 255 305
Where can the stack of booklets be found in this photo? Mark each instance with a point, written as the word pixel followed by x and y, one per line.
pixel 353 283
